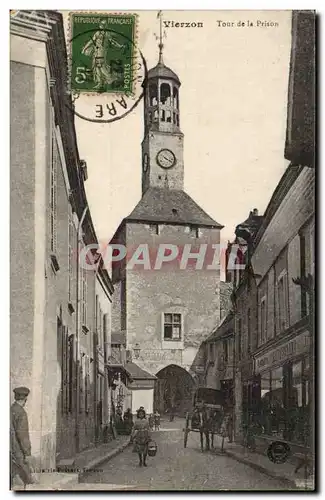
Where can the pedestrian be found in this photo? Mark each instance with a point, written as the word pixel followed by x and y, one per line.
pixel 20 447
pixel 128 421
pixel 141 436
pixel 157 420
pixel 230 428
pixel 151 422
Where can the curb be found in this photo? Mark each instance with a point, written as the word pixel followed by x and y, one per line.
pixel 98 461
pixel 262 469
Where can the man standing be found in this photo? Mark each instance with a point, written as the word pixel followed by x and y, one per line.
pixel 20 448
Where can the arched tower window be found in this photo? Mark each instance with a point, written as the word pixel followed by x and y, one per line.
pixel 165 93
pixel 175 96
pixel 153 94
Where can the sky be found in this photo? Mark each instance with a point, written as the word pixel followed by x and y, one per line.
pixel 233 112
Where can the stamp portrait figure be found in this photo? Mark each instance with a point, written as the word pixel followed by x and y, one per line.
pixel 96 48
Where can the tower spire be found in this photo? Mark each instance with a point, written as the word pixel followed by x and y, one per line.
pixel 160 45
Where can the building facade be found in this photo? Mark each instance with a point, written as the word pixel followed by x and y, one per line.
pixel 60 311
pixel 163 302
pixel 282 357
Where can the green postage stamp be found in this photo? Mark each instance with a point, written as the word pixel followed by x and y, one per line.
pixel 102 52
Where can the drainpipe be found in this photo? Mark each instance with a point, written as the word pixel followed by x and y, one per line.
pixel 79 238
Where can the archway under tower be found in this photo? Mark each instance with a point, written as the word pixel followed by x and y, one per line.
pixel 174 388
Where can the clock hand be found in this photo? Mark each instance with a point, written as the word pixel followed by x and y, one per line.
pixel 166 158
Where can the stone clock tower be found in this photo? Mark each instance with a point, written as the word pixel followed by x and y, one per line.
pixel 162 146
pixel 162 315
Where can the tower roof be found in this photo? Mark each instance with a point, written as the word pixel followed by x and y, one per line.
pixel 162 71
pixel 171 206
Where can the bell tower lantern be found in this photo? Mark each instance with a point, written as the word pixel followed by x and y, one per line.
pixel 162 98
pixel 162 146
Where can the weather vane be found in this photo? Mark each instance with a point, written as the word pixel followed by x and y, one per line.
pixel 162 34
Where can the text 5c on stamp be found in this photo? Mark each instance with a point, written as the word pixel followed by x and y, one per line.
pixel 102 51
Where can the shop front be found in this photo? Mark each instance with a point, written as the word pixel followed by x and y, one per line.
pixel 279 392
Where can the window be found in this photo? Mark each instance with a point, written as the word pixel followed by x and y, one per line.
pixel 282 302
pixel 153 94
pixel 53 194
pixel 225 351
pixel 193 230
pixel 154 228
pixel 165 93
pixel 263 320
pixel 172 327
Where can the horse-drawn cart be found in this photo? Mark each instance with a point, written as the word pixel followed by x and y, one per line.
pixel 206 416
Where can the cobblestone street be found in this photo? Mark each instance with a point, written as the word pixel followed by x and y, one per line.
pixel 176 468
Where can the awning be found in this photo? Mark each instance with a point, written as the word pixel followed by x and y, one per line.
pixel 113 366
pixel 138 373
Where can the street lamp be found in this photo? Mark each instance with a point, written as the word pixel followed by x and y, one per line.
pixel 136 350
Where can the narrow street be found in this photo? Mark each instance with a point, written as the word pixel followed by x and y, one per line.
pixel 176 468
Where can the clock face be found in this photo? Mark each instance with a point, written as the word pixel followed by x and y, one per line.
pixel 166 158
pixel 145 162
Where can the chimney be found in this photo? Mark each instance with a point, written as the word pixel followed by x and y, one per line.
pixel 255 211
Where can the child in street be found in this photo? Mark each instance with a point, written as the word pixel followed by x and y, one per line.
pixel 151 422
pixel 157 420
